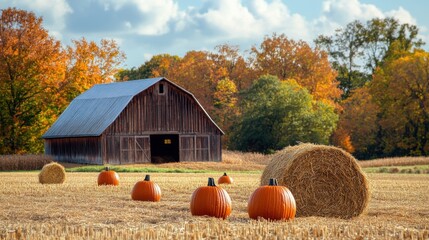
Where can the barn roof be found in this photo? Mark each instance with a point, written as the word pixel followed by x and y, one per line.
pixel 93 111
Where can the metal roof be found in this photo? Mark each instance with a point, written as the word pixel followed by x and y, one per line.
pixel 93 111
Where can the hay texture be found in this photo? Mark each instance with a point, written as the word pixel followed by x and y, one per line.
pixel 52 173
pixel 325 181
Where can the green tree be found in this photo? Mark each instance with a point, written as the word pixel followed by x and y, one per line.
pixel 358 49
pixel 280 113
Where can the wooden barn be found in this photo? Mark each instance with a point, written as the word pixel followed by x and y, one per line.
pixel 141 121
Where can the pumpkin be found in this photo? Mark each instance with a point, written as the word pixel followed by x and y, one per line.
pixel 211 200
pixel 108 177
pixel 272 202
pixel 146 190
pixel 225 179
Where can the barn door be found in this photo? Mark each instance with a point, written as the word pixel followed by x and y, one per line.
pixel 135 149
pixel 187 148
pixel 194 148
pixel 142 149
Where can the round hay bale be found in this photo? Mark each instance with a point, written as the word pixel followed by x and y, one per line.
pixel 325 181
pixel 52 173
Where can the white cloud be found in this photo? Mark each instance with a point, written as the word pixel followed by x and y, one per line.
pixel 232 19
pixel 157 14
pixel 53 12
pixel 345 11
pixel 402 15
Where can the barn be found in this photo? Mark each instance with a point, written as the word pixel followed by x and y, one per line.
pixel 141 121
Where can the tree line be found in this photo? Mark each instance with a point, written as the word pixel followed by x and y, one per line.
pixel 364 88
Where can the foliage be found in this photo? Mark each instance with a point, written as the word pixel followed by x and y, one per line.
pixel 277 114
pixel 288 59
pixel 157 66
pixel 38 77
pixel 401 89
pixel 29 61
pixel 358 49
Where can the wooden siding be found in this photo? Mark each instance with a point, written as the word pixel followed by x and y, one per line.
pixel 173 112
pixel 85 150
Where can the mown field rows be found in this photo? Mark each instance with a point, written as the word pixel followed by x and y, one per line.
pixel 79 209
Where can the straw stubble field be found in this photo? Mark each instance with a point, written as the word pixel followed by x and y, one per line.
pixel 79 209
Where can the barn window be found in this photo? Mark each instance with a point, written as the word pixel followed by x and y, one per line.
pixel 161 88
pixel 167 141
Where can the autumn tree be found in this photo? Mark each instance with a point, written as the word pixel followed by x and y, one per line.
pixel 401 89
pixel 358 130
pixel 197 73
pixel 359 48
pixel 225 104
pixel 158 66
pixel 89 63
pixel 237 68
pixel 288 59
pixel 30 61
pixel 280 113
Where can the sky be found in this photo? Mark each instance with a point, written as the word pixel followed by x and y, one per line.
pixel 144 28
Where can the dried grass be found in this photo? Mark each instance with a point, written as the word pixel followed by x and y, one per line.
pixel 24 162
pixel 325 181
pixel 397 161
pixel 52 173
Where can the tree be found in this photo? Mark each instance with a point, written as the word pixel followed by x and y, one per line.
pixel 401 89
pixel 89 63
pixel 288 59
pixel 358 49
pixel 30 61
pixel 225 103
pixel 157 66
pixel 280 113
pixel 236 67
pixel 197 73
pixel 358 130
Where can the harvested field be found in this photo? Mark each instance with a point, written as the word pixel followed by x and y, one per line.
pixel 79 209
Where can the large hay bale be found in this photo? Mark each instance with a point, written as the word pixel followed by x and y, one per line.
pixel 52 173
pixel 325 181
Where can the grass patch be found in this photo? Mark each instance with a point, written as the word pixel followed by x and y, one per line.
pixel 417 169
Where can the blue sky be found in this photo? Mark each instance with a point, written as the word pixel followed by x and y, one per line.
pixel 144 28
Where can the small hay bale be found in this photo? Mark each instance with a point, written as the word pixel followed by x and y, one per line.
pixel 52 173
pixel 325 181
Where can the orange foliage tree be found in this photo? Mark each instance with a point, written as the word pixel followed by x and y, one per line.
pixel 30 62
pixel 357 128
pixel 38 77
pixel 288 59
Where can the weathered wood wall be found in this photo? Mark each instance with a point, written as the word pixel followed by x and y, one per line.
pixel 174 112
pixel 85 150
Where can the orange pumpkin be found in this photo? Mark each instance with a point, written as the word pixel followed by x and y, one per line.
pixel 108 177
pixel 211 200
pixel 225 179
pixel 272 202
pixel 146 191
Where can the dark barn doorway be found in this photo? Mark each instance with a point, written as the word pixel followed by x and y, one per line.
pixel 164 148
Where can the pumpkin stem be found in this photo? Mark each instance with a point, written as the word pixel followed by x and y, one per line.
pixel 211 182
pixel 225 174
pixel 273 182
pixel 147 178
pixel 106 168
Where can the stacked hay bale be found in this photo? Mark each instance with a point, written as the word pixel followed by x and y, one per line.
pixel 52 173
pixel 325 181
